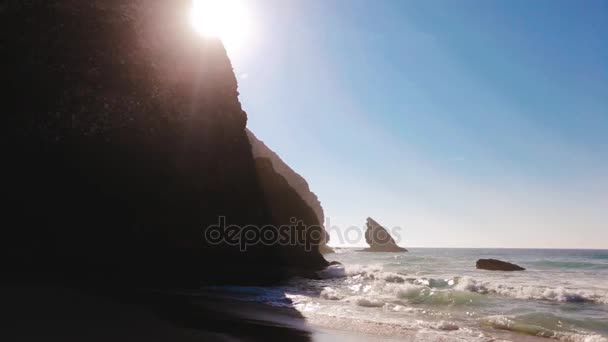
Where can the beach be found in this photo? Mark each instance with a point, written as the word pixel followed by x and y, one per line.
pixel 439 295
pixel 412 296
pixel 34 313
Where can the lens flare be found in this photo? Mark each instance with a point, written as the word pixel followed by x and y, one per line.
pixel 228 20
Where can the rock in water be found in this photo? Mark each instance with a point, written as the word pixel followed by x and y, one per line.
pixel 295 181
pixel 379 239
pixel 497 265
pixel 127 145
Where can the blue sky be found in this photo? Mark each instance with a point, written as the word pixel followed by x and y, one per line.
pixel 464 123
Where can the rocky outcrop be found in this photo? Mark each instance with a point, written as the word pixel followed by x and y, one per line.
pixel 324 248
pixel 497 265
pixel 294 180
pixel 287 207
pixel 379 239
pixel 127 143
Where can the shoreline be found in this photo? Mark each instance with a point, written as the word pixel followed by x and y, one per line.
pixel 38 312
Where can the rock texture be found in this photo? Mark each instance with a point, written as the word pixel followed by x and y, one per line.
pixel 497 265
pixel 295 181
pixel 127 141
pixel 379 239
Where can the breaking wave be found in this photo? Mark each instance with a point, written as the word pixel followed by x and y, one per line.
pixel 544 325
pixel 558 294
pixel 453 291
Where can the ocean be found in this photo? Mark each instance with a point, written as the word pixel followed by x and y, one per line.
pixel 438 294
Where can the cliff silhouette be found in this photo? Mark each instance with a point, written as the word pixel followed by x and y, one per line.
pixel 127 141
pixel 262 152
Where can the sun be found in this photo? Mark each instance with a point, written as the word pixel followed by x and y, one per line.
pixel 228 20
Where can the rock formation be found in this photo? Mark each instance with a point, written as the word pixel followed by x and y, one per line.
pixel 379 239
pixel 127 142
pixel 295 181
pixel 324 248
pixel 497 265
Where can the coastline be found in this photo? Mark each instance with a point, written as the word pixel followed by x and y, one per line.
pixel 37 312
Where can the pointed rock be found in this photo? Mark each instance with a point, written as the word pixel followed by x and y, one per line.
pixel 379 239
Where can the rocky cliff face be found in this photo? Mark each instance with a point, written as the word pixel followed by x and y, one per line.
pixel 127 143
pixel 294 180
pixel 379 239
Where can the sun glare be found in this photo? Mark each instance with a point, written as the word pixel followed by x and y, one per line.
pixel 228 20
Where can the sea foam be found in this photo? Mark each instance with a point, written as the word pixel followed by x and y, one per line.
pixel 557 294
pixel 409 287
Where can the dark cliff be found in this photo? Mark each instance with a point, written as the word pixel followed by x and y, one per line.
pixel 287 207
pixel 127 141
pixel 294 180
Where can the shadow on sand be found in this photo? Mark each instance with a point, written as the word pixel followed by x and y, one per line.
pixel 37 312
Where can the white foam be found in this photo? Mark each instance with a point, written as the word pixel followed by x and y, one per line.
pixel 505 322
pixel 572 337
pixel 367 302
pixel 333 271
pixel 404 287
pixel 407 330
pixel 362 271
pixel 401 308
pixel 424 302
pixel 470 284
pixel 330 294
pixel 558 294
pixel 392 277
pixel 403 291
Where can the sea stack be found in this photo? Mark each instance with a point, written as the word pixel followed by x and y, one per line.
pixel 497 265
pixel 379 239
pixel 128 145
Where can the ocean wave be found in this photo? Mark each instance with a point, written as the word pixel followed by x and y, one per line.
pixel 367 301
pixel 452 304
pixel 366 290
pixel 602 255
pixel 274 296
pixel 408 330
pixel 548 329
pixel 569 264
pixel 341 271
pixel 455 290
pixel 559 294
pixel 422 294
pixel 330 294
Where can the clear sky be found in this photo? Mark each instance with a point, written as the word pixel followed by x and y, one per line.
pixel 465 123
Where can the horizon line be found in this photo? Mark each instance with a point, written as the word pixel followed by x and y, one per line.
pixel 431 247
